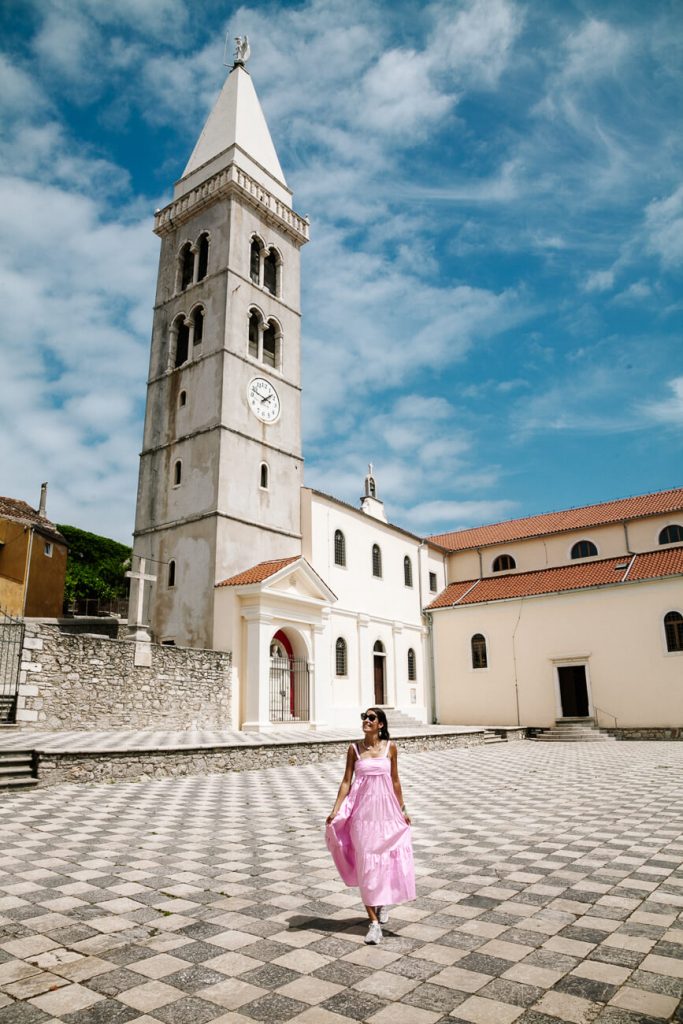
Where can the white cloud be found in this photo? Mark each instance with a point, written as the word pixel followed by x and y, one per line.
pixel 664 227
pixel 668 411
pixel 599 281
pixel 441 516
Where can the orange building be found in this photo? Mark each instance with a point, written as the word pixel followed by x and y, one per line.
pixel 32 560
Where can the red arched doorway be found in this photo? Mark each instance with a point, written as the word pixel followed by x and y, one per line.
pixel 289 682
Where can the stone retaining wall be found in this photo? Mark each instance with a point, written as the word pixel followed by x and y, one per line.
pixel 89 682
pixel 115 766
pixel 647 733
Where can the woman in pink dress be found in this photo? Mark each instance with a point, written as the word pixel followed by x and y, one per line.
pixel 368 831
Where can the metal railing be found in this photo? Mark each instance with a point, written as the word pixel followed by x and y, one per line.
pixel 289 690
pixel 11 643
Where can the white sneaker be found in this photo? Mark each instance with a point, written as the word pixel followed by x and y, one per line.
pixel 383 915
pixel 374 936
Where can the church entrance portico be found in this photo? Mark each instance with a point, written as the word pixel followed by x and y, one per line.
pixel 274 617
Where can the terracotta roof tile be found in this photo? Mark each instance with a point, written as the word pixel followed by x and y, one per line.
pixel 657 503
pixel 258 573
pixel 648 565
pixel 21 512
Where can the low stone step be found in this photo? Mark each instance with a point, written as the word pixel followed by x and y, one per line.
pixel 17 769
pixel 18 783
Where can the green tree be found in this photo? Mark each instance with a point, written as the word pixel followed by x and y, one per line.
pixel 96 566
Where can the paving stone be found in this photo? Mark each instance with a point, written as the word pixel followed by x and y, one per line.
pixel 532 901
pixel 109 1011
pixel 356 1005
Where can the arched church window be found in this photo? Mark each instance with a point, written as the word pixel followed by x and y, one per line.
pixel 182 399
pixel 673 627
pixel 264 476
pixel 376 561
pixel 412 665
pixel 255 260
pixel 503 563
pixel 177 473
pixel 198 322
pixel 407 572
pixel 478 643
pixel 672 534
pixel 339 548
pixel 202 256
pixel 181 335
pixel 271 271
pixel 254 333
pixel 171 573
pixel 340 657
pixel 584 549
pixel 271 337
pixel 186 266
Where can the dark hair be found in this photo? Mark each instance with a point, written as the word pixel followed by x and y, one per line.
pixel 383 724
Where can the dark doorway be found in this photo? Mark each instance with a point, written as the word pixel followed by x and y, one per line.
pixel 573 691
pixel 379 659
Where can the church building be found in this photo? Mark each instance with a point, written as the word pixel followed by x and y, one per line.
pixel 326 607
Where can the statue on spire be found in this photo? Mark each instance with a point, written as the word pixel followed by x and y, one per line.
pixel 242 50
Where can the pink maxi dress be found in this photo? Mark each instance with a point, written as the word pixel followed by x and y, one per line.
pixel 369 838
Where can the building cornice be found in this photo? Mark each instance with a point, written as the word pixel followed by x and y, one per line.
pixel 232 181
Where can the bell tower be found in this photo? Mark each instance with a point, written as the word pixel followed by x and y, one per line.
pixel 221 465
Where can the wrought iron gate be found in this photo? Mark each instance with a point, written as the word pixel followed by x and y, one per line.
pixel 11 642
pixel 289 690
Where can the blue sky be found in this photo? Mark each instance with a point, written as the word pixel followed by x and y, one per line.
pixel 491 296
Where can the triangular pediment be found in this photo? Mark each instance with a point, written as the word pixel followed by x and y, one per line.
pixel 299 580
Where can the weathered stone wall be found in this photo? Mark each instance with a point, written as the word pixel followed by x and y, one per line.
pixel 113 766
pixel 648 733
pixel 88 682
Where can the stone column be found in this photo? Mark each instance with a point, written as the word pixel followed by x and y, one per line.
pixel 257 662
pixel 366 683
pixel 393 683
pixel 321 683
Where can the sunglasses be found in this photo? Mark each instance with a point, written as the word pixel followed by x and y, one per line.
pixel 369 718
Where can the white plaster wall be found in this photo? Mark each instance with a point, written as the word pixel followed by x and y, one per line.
pixel 618 631
pixel 541 552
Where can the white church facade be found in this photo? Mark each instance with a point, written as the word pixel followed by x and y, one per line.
pixel 325 607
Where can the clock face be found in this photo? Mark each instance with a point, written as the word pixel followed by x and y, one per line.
pixel 263 400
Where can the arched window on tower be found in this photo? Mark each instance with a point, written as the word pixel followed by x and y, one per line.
pixel 339 548
pixel 198 323
pixel 171 573
pixel 177 473
pixel 255 260
pixel 478 643
pixel 673 627
pixel 254 333
pixel 340 657
pixel 407 572
pixel 376 561
pixel 186 267
pixel 181 339
pixel 202 256
pixel 584 549
pixel 264 476
pixel 271 271
pixel 271 344
pixel 412 665
pixel 672 534
pixel 503 563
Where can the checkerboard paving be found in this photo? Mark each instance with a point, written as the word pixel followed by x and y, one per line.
pixel 550 888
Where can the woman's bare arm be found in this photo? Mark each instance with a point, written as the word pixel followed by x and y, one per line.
pixel 345 783
pixel 393 757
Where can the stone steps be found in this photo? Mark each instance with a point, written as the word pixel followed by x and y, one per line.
pixel 573 730
pixel 400 720
pixel 491 736
pixel 17 769
pixel 7 708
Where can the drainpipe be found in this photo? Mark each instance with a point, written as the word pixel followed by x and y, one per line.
pixel 514 660
pixel 481 567
pixel 432 671
pixel 27 574
pixel 628 543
